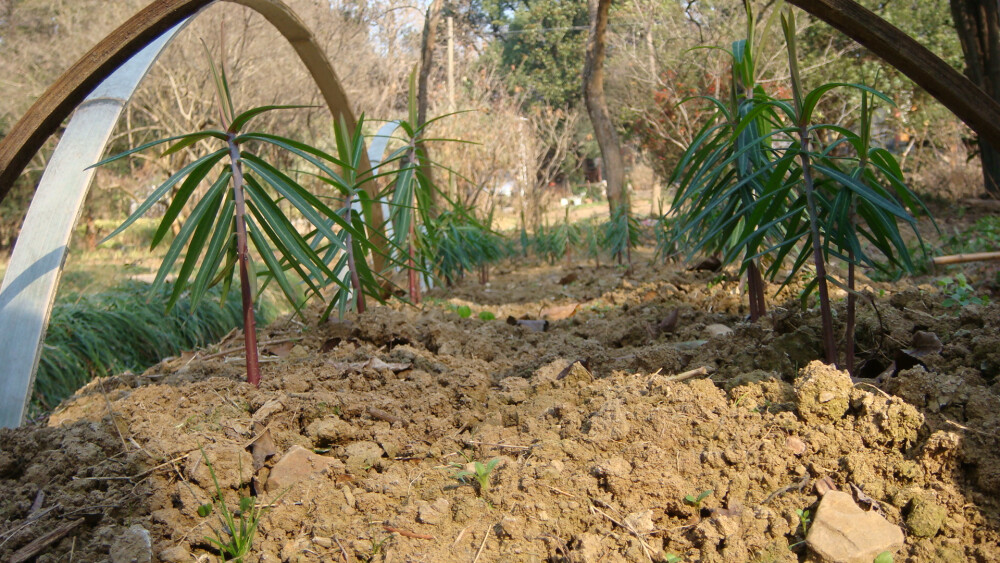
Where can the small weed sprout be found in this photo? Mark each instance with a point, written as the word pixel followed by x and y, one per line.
pixel 482 474
pixel 378 546
pixel 805 518
pixel 884 557
pixel 695 500
pixel 240 526
pixel 959 292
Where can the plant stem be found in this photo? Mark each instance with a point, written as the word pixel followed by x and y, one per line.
pixel 755 289
pixel 249 320
pixel 412 270
pixel 829 345
pixel 851 306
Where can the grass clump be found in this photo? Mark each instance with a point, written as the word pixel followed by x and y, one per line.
pixel 122 328
pixel 235 540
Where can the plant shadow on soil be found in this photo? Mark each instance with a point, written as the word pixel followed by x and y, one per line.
pixel 598 446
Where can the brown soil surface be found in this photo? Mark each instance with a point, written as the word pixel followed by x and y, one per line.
pixel 598 442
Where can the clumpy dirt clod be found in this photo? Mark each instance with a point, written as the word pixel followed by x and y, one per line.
pixel 363 443
pixel 823 393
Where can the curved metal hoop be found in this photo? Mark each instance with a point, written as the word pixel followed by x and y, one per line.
pixel 115 67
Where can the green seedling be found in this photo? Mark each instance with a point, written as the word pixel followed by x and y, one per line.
pixel 464 311
pixel 486 316
pixel 804 520
pixel 884 557
pixel 482 474
pixel 238 528
pixel 378 546
pixel 959 292
pixel 695 500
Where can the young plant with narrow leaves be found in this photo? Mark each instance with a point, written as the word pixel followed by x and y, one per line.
pixel 240 207
pixel 730 169
pixel 846 199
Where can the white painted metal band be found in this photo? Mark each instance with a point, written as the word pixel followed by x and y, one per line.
pixel 29 286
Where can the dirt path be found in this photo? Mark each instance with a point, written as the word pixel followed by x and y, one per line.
pixel 598 441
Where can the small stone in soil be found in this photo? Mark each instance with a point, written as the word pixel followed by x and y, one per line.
pixel 297 465
pixel 717 329
pixel 133 546
pixel 843 533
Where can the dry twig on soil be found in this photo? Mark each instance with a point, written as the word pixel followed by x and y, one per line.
pixel 407 533
pixel 698 372
pixel 797 486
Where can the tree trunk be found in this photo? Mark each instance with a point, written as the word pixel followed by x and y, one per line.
pixel 978 25
pixel 431 23
pixel 597 105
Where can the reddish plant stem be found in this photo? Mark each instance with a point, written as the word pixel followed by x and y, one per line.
pixel 851 306
pixel 852 297
pixel 249 320
pixel 359 297
pixel 829 344
pixel 755 288
pixel 412 267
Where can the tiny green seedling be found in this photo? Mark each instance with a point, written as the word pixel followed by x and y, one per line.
pixel 884 557
pixel 695 500
pixel 804 520
pixel 240 526
pixel 486 316
pixel 482 474
pixel 959 292
pixel 378 546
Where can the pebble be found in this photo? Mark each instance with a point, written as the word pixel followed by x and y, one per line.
pixel 297 465
pixel 717 329
pixel 844 533
pixel 134 545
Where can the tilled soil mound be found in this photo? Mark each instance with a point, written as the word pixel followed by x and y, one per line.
pixel 644 421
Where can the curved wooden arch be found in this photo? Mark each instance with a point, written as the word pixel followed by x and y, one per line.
pixel 98 87
pixel 70 89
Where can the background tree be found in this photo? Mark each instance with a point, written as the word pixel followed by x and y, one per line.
pixel 597 106
pixel 978 25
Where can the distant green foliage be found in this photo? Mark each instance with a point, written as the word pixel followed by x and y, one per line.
pixel 122 328
pixel 983 236
pixel 929 22
pixel 539 48
pixel 621 233
pixel 455 242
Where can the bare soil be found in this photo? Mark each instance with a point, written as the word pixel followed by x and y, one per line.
pixel 598 440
